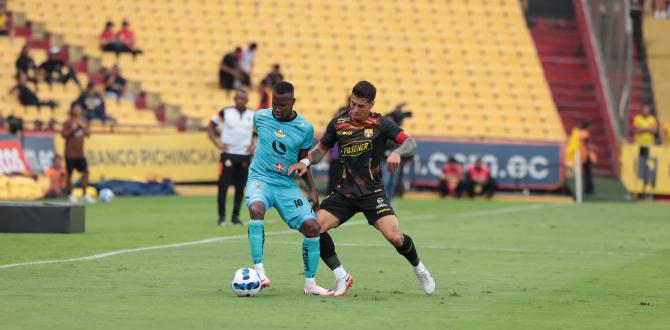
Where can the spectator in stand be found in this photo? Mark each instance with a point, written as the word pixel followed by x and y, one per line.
pixel 28 97
pixel 274 76
pixel 479 180
pixel 55 69
pixel 126 37
pixel 4 22
pixel 15 124
pixel 114 83
pixel 228 74
pixel 93 104
pixel 246 63
pixel 58 178
pixel 588 157
pixel 108 41
pixel 26 65
pixel 645 128
pixel 264 95
pixel 119 42
pixel 451 182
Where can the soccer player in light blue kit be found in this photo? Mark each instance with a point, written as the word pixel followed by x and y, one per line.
pixel 284 137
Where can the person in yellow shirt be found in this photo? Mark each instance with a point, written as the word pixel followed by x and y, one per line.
pixel 4 28
pixel 645 128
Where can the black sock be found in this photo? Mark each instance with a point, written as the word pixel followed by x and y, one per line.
pixel 407 249
pixel 328 252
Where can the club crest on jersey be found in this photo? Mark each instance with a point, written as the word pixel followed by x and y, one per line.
pixel 368 132
pixel 342 120
pixel 279 167
pixel 280 134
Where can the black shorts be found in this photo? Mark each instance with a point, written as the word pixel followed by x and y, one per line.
pixel 373 207
pixel 78 164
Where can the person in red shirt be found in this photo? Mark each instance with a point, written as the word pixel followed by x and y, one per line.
pixel 122 41
pixel 479 181
pixel 108 37
pixel 451 182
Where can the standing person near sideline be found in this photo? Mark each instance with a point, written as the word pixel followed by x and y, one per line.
pixel 75 130
pixel 236 143
pixel 361 135
pixel 588 157
pixel 645 127
pixel 284 137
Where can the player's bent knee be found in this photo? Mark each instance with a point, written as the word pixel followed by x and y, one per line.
pixel 326 220
pixel 257 210
pixel 310 228
pixel 395 239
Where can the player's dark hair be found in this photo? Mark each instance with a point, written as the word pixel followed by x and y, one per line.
pixel 365 90
pixel 283 87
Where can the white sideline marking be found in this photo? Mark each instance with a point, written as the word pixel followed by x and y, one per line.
pixel 503 210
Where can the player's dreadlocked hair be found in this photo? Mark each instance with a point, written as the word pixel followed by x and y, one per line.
pixel 283 87
pixel 365 90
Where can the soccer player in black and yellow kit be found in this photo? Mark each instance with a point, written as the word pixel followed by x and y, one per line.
pixel 361 136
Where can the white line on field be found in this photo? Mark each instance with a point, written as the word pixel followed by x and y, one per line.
pixel 504 210
pixel 512 250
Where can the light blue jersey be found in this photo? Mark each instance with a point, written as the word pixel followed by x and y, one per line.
pixel 278 147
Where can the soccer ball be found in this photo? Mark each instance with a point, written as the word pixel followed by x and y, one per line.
pixel 246 282
pixel 106 195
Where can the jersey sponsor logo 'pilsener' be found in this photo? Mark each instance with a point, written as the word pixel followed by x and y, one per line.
pixel 356 148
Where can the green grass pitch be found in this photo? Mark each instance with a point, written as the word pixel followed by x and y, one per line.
pixel 498 265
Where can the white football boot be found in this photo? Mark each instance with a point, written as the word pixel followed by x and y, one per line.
pixel 343 284
pixel 425 279
pixel 312 289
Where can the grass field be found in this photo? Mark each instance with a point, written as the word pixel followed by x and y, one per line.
pixel 498 265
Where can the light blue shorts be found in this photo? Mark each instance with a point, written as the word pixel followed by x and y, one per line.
pixel 292 206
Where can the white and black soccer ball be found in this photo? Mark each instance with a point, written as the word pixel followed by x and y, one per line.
pixel 106 195
pixel 246 282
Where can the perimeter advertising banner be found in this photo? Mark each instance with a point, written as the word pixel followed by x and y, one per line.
pixel 38 149
pixel 185 157
pixel 513 165
pixel 12 159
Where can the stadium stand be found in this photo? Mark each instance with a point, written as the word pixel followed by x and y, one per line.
pixel 561 51
pixel 467 69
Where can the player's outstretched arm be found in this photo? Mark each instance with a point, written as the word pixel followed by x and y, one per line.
pixel 407 148
pixel 314 156
pixel 309 181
